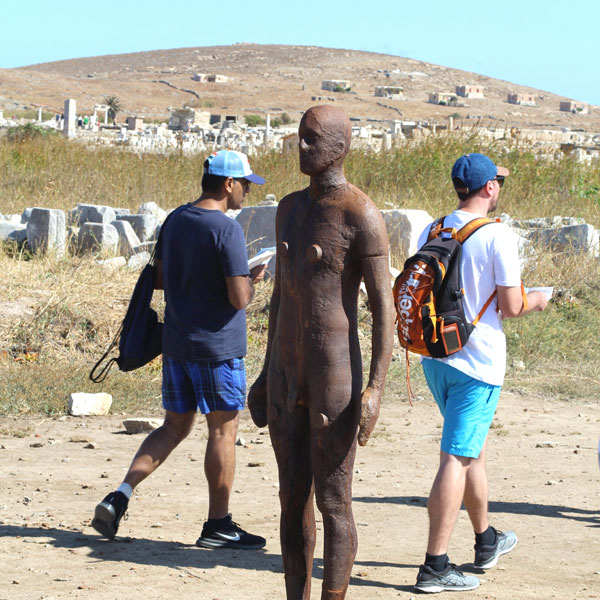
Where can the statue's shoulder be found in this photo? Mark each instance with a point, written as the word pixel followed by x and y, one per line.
pixel 359 203
pixel 288 201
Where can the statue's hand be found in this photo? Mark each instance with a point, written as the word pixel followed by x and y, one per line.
pixel 370 403
pixel 257 400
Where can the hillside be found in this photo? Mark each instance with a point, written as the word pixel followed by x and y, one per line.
pixel 275 79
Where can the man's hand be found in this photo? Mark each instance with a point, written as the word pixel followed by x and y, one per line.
pixel 257 273
pixel 257 401
pixel 370 403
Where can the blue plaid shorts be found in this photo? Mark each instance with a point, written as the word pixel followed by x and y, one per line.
pixel 202 385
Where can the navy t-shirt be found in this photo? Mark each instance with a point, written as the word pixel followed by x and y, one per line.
pixel 198 249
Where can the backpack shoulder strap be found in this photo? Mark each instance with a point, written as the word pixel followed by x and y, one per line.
pixel 465 232
pixel 435 228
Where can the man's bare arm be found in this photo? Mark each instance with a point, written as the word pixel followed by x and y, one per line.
pixel 511 305
pixel 240 290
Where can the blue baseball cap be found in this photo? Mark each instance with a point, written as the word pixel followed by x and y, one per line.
pixel 472 171
pixel 229 163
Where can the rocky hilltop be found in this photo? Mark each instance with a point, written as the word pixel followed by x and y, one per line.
pixel 277 79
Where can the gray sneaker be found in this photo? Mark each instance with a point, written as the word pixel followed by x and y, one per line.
pixel 487 557
pixel 451 579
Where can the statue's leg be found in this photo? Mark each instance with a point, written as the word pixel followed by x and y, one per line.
pixel 334 450
pixel 290 435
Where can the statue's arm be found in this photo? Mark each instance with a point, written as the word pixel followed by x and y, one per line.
pixel 376 275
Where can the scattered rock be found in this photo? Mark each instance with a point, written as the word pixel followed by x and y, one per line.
pixel 141 425
pixel 256 464
pixel 545 445
pixel 240 441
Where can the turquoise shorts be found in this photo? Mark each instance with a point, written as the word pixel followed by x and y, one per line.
pixel 467 405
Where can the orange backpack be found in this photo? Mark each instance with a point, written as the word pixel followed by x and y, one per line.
pixel 428 294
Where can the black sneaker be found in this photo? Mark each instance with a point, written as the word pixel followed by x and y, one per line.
pixel 108 514
pixel 225 533
pixel 451 579
pixel 487 557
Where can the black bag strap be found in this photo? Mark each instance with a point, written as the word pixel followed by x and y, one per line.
pixel 101 376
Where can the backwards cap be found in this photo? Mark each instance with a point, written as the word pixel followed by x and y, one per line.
pixel 474 171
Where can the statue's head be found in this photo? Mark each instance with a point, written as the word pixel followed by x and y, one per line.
pixel 325 134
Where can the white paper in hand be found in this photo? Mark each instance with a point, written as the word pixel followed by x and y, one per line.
pixel 262 258
pixel 547 291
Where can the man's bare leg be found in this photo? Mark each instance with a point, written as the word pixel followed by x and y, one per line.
pixel 476 493
pixel 445 499
pixel 158 445
pixel 219 460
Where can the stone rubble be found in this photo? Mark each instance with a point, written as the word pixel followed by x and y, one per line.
pixel 107 232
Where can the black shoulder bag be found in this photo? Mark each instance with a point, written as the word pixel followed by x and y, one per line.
pixel 140 334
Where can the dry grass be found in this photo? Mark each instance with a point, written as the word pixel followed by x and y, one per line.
pixel 52 172
pixel 70 309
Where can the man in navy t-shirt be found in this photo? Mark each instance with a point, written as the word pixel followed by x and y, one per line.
pixel 202 265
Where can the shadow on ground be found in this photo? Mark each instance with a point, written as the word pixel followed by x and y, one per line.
pixel 592 517
pixel 175 555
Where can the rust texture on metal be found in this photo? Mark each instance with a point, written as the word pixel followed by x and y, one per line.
pixel 330 236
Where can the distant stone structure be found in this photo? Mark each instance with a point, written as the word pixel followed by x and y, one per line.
pixel 135 123
pixel 185 118
pixel 470 91
pixel 70 112
pixel 444 98
pixel 522 99
pixel 393 92
pixel 335 85
pixel 209 78
pixel 574 107
pixel 102 108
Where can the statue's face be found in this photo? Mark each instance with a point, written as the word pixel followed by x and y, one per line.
pixel 319 143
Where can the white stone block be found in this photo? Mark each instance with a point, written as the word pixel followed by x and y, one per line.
pixel 91 213
pixel 46 231
pixel 258 223
pixel 143 225
pixel 151 208
pixel 100 238
pixel 128 240
pixel 404 226
pixel 82 404
pixel 113 263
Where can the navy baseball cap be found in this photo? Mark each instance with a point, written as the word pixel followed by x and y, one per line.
pixel 229 163
pixel 472 171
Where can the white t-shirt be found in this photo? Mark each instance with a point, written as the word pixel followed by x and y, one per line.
pixel 490 257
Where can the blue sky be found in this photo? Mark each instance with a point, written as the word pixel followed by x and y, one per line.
pixel 553 46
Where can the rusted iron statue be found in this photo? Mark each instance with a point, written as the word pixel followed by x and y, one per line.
pixel 329 237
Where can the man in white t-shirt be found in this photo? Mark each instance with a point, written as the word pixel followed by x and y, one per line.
pixel 466 385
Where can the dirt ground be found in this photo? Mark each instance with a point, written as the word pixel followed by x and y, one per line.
pixel 544 484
